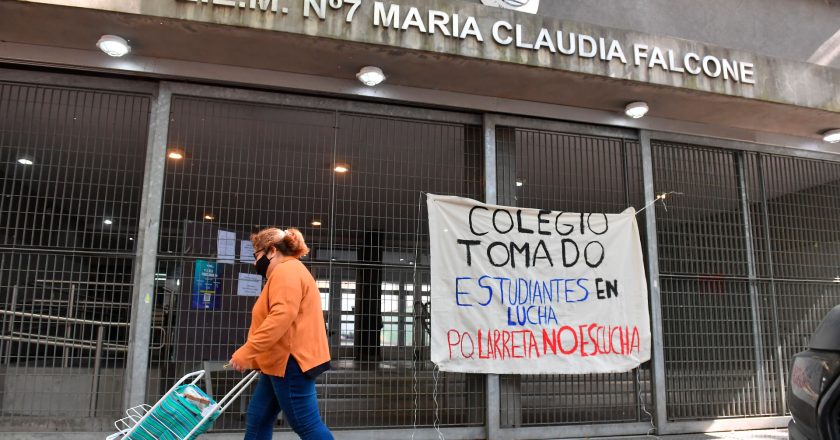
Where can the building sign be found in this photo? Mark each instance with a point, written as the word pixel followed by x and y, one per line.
pixel 527 291
pixel 529 6
pixel 542 42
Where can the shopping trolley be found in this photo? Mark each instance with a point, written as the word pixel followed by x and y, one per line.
pixel 183 413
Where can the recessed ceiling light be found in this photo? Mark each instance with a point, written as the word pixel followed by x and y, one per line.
pixel 316 223
pixel 209 217
pixel 175 154
pixel 520 182
pixel 832 136
pixel 25 161
pixel 636 109
pixel 113 45
pixel 108 221
pixel 341 168
pixel 370 75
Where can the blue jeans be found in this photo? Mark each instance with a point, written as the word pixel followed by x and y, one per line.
pixel 295 396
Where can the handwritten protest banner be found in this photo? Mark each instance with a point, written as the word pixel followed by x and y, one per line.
pixel 528 291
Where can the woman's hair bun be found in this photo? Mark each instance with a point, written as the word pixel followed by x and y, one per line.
pixel 294 244
pixel 289 242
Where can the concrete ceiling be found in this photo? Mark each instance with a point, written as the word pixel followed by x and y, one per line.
pixel 157 38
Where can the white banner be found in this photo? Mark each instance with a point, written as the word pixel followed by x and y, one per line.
pixel 526 291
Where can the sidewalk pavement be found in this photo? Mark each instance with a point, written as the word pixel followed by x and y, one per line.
pixel 763 434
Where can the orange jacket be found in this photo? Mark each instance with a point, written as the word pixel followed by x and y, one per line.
pixel 286 320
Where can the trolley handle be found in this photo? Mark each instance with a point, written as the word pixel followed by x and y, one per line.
pixel 197 374
pixel 237 390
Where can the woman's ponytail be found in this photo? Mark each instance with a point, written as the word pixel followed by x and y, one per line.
pixel 293 244
pixel 289 242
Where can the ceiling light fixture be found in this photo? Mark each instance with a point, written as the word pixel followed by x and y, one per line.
pixel 370 75
pixel 108 221
pixel 209 217
pixel 342 168
pixel 636 109
pixel 113 45
pixel 832 136
pixel 176 154
pixel 316 222
pixel 25 160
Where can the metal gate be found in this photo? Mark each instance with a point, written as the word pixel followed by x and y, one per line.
pixel 573 173
pixel 243 167
pixel 748 259
pixel 72 172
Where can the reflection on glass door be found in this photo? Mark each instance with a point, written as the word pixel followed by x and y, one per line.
pixel 397 309
pixel 348 317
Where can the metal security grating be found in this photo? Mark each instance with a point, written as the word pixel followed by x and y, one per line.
pixel 243 167
pixel 797 223
pixel 700 227
pixel 711 359
pixel 801 306
pixel 731 330
pixel 575 173
pixel 380 216
pixel 568 172
pixel 248 166
pixel 803 218
pixel 72 174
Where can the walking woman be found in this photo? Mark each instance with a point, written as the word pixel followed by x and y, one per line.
pixel 287 341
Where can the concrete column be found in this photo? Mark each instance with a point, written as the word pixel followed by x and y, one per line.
pixel 137 365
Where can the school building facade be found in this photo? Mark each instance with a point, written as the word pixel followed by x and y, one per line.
pixel 131 185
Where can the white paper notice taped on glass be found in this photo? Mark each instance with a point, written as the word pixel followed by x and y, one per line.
pixel 227 247
pixel 246 251
pixel 249 284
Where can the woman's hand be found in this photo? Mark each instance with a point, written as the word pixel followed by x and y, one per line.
pixel 236 366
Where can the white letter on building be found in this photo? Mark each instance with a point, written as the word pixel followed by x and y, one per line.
pixel 730 70
pixel 747 73
pixel 688 65
pixel 544 39
pixel 572 43
pixel 656 58
pixel 471 28
pixel 320 9
pixel 615 51
pixel 583 52
pixel 712 73
pixel 498 38
pixel 264 4
pixel 413 19
pixel 438 19
pixel 519 42
pixel 381 19
pixel 639 52
pixel 671 65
